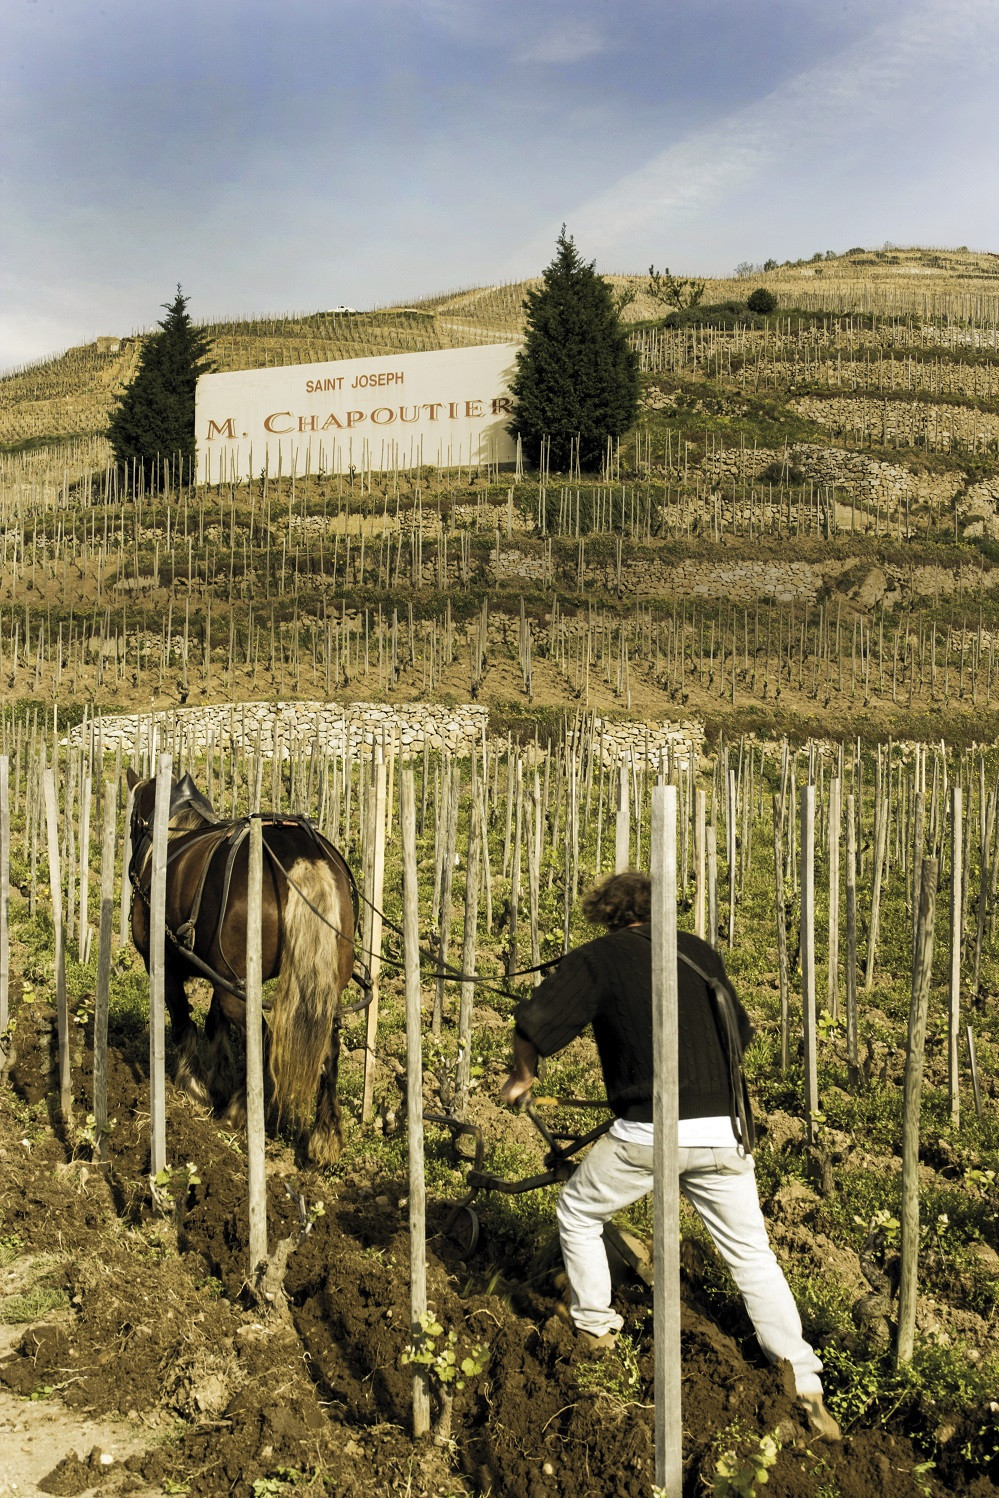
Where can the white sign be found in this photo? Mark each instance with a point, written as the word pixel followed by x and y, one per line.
pixel 442 409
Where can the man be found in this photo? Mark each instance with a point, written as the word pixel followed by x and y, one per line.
pixel 608 984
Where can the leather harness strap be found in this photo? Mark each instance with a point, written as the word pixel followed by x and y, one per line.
pixel 234 834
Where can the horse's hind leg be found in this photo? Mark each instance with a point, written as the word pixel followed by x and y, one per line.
pixel 223 1075
pixel 189 1075
pixel 326 1135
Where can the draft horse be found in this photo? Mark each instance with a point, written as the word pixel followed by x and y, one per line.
pixel 309 913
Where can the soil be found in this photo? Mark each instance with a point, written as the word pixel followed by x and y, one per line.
pixel 159 1356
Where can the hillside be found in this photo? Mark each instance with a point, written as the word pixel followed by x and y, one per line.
pixel 803 490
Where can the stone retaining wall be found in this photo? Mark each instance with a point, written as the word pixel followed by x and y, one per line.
pixel 910 422
pixel 747 582
pixel 285 728
pixel 866 479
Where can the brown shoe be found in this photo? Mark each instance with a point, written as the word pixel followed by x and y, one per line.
pixel 821 1422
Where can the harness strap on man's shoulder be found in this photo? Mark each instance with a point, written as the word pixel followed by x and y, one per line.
pixel 728 1033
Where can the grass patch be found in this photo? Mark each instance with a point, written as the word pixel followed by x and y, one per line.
pixel 32 1305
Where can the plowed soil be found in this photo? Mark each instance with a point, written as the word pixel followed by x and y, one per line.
pixel 157 1327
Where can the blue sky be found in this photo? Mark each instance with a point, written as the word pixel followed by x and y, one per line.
pixel 287 155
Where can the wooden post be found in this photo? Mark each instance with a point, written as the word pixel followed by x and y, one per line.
pixel 730 848
pixel 4 905
pixel 55 885
pixel 157 954
pixel 448 851
pixel 622 824
pixel 104 933
pixel 414 1093
pixel 665 1115
pixel 126 859
pixel 700 870
pixel 973 1065
pixel 711 842
pixel 256 1176
pixel 880 841
pixel 373 928
pixel 918 840
pixel 954 995
pixel 467 991
pixel 915 1045
pixel 808 957
pixel 835 829
pixel 83 924
pixel 852 1053
pixel 783 970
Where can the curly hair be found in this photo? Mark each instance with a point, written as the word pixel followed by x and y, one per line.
pixel 619 900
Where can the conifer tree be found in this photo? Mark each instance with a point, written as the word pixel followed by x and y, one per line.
pixel 153 422
pixel 576 377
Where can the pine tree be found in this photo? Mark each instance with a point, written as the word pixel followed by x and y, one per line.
pixel 153 423
pixel 576 377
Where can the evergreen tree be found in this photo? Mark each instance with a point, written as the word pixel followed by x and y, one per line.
pixel 153 422
pixel 576 377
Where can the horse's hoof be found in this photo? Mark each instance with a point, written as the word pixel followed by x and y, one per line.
pixel 188 1081
pixel 324 1148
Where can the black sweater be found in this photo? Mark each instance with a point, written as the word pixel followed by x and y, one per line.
pixel 608 983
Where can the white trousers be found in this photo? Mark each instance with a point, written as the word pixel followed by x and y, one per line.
pixel 721 1186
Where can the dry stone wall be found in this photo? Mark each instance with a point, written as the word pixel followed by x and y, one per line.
pixel 910 423
pixel 285 728
pixel 745 582
pixel 865 479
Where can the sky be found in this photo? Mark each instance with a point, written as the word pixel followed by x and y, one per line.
pixel 277 156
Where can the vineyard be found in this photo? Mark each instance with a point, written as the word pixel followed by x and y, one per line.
pixel 778 596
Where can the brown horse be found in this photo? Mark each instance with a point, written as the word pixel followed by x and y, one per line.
pixel 309 911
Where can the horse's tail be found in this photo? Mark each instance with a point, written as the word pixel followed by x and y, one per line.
pixel 315 948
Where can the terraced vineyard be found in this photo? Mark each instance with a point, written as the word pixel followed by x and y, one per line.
pixel 794 559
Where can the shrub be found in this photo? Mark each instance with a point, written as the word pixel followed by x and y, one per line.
pixel 762 301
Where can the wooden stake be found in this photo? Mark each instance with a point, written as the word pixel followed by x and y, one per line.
pixel 256 1175
pixel 126 859
pixel 157 954
pixel 665 1115
pixel 808 958
pixel 783 971
pixel 954 994
pixel 414 1094
pixel 4 907
pixel 101 995
pixel 55 885
pixel 467 991
pixel 700 871
pixel 711 843
pixel 622 824
pixel 373 928
pixel 915 1046
pixel 835 830
pixel 852 1053
pixel 730 840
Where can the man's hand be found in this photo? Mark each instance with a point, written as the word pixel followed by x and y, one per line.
pixel 516 1087
pixel 523 1073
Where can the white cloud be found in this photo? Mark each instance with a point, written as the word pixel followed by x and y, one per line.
pixel 899 67
pixel 572 42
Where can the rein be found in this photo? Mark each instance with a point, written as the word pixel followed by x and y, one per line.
pixel 235 833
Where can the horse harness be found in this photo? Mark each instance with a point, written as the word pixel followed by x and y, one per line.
pixel 231 836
